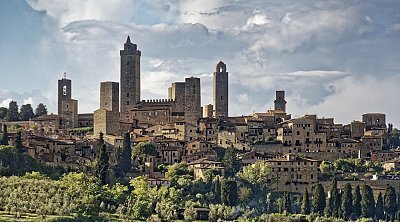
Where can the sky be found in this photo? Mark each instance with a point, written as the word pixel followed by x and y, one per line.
pixel 334 58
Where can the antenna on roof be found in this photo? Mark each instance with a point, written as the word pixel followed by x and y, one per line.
pixel 65 75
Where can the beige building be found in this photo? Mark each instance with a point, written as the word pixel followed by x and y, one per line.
pixel 293 173
pixel 69 115
pixel 202 165
pixel 392 165
pixel 45 125
pixel 106 119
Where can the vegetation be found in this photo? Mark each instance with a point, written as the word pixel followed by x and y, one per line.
pixel 41 110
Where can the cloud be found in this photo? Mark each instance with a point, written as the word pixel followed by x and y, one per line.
pixel 315 50
pixel 34 98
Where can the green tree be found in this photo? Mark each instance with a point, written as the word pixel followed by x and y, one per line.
pixel 12 114
pixel 334 200
pixel 390 206
pixel 347 201
pixel 379 207
pixel 102 161
pixel 3 112
pixel 287 204
pixel 367 202
pixel 125 159
pixel 26 112
pixel 231 162
pixel 305 204
pixel 4 136
pixel 357 202
pixel 18 142
pixel 319 199
pixel 229 192
pixel 41 110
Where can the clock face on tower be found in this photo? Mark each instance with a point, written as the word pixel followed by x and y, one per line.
pixel 64 90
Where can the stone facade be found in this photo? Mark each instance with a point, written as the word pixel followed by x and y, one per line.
pixel 192 107
pixel 64 92
pixel 177 93
pixel 208 111
pixel 374 120
pixel 106 119
pixel 130 77
pixel 221 90
pixel 69 115
pixel 280 102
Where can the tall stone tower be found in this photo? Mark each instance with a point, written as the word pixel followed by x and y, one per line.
pixel 130 77
pixel 177 93
pixel 64 92
pixel 106 119
pixel 192 100
pixel 280 102
pixel 221 90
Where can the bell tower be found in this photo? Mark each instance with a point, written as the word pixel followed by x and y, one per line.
pixel 64 91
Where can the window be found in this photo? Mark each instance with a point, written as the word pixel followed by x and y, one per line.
pixel 127 95
pixel 127 103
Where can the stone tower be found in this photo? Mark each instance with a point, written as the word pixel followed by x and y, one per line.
pixel 221 90
pixel 106 119
pixel 130 77
pixel 192 100
pixel 109 96
pixel 280 102
pixel 64 92
pixel 177 93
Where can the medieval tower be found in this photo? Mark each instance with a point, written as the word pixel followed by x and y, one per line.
pixel 221 90
pixel 130 77
pixel 280 102
pixel 106 119
pixel 64 92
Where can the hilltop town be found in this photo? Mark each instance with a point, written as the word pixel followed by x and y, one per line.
pixel 299 152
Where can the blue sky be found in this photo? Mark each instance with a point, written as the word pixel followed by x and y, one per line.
pixel 334 58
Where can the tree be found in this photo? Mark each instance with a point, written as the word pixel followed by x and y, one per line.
pixel 102 161
pixel 4 136
pixel 347 201
pixel 231 162
pixel 18 142
pixel 305 204
pixel 357 202
pixel 379 207
pixel 26 112
pixel 229 192
pixel 334 200
pixel 3 112
pixel 367 202
pixel 41 110
pixel 12 114
pixel 319 199
pixel 286 202
pixel 390 206
pixel 125 158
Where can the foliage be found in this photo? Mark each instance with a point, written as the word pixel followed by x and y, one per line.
pixel 144 149
pixel 3 112
pixel 229 192
pixel 26 112
pixel 102 161
pixel 347 201
pixel 390 206
pixel 222 212
pixel 41 110
pixel 357 202
pixel 319 199
pixel 12 114
pixel 4 136
pixel 125 158
pixel 180 175
pixel 231 162
pixel 367 202
pixel 379 207
pixel 18 142
pixel 334 200
pixel 305 205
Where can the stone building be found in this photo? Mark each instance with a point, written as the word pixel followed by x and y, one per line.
pixel 374 120
pixel 280 102
pixel 221 90
pixel 208 111
pixel 153 112
pixel 130 77
pixel 177 93
pixel 106 119
pixel 64 92
pixel 192 107
pixel 67 107
pixel 357 129
pixel 293 173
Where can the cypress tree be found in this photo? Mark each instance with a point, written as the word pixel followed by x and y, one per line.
pixel 334 200
pixel 390 206
pixel 229 193
pixel 367 202
pixel 102 161
pixel 217 188
pixel 379 207
pixel 357 202
pixel 286 202
pixel 4 136
pixel 126 155
pixel 319 199
pixel 347 201
pixel 305 204
pixel 12 114
pixel 18 142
